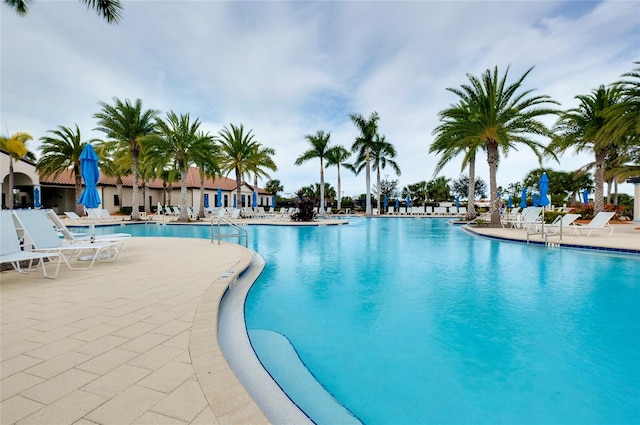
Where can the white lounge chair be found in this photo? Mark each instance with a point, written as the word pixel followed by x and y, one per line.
pixel 565 221
pixel 74 217
pixel 74 237
pixel 599 223
pixel 10 251
pixel 390 210
pixel 36 227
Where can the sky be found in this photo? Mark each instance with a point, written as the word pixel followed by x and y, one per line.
pixel 286 69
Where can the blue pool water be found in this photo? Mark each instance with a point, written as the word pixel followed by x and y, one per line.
pixel 412 321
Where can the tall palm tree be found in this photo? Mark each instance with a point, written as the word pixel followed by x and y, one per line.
pixel 337 156
pixel 107 9
pixel 319 148
pixel 362 147
pixel 237 151
pixel 261 161
pixel 382 155
pixel 581 128
pixel 15 146
pixel 501 116
pixel 62 151
pixel 128 126
pixel 206 160
pixel 452 140
pixel 111 167
pixel 181 142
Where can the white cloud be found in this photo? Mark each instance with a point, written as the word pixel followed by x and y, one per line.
pixel 286 69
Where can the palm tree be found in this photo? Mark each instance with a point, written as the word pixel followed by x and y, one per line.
pixel 111 167
pixel 501 116
pixel 207 162
pixel 62 151
pixel 15 146
pixel 107 9
pixel 180 142
pixel 451 140
pixel 363 145
pixel 128 126
pixel 382 155
pixel 261 160
pixel 237 152
pixel 581 128
pixel 336 156
pixel 319 148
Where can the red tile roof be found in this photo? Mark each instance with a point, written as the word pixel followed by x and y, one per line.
pixel 193 181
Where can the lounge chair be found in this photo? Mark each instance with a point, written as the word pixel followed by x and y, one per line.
pixel 75 237
pixel 10 251
pixel 440 210
pixel 74 217
pixel 462 211
pixel 235 214
pixel 599 223
pixel 106 216
pixel 38 231
pixel 390 210
pixel 565 221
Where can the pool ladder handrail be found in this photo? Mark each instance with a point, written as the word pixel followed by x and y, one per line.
pixel 240 231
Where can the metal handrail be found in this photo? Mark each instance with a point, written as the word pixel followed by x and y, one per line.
pixel 240 231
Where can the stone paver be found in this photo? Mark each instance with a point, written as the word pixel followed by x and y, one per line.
pixel 110 345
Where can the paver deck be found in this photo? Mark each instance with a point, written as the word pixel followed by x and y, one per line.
pixel 133 341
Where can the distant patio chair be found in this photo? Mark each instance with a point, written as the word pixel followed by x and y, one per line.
pixel 599 223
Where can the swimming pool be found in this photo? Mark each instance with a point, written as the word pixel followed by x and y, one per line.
pixel 411 321
pixel 414 321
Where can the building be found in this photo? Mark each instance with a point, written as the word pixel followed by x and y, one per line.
pixel 59 193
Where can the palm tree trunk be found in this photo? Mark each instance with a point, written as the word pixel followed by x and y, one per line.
pixel 238 188
pixel 378 187
pixel 492 159
pixel 78 191
pixel 615 192
pixel 368 179
pixel 135 201
pixel 598 196
pixel 321 211
pixel 339 192
pixel 184 216
pixel 201 206
pixel 609 183
pixel 471 197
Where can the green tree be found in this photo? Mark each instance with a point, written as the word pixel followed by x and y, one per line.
pixel 337 156
pixel 362 147
pixel 128 126
pixel 111 167
pixel 319 148
pixel 461 187
pixel 453 138
pixel 274 186
pixel 419 192
pixel 382 154
pixel 182 143
pixel 107 9
pixel 502 115
pixel 582 128
pixel 15 146
pixel 238 153
pixel 62 151
pixel 388 187
pixel 439 189
pixel 207 162
pixel 261 161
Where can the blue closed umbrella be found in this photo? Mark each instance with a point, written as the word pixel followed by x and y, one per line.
pixel 36 198
pixel 457 202
pixel 386 201
pixel 273 201
pixel 544 187
pixel 206 200
pixel 585 196
pixel 408 201
pixel 397 203
pixel 255 199
pixel 219 203
pixel 523 199
pixel 509 202
pixel 89 197
pixel 235 201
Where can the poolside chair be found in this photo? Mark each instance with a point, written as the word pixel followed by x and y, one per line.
pixel 428 210
pixel 440 210
pixel 390 210
pixel 462 211
pixel 38 231
pixel 75 237
pixel 235 214
pixel 599 223
pixel 10 251
pixel 74 217
pixel 530 219
pixel 105 215
pixel 565 221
